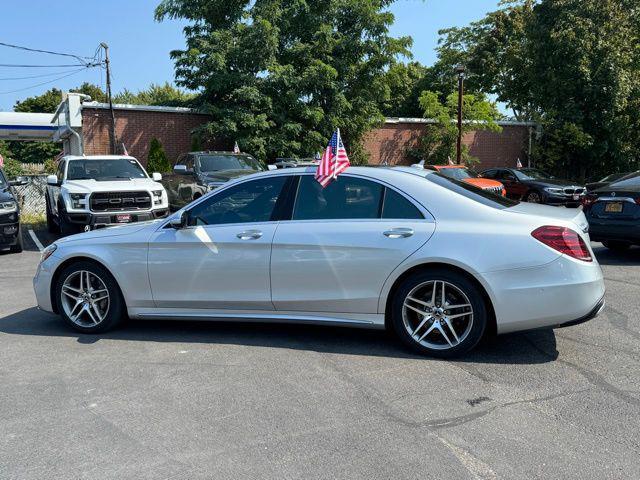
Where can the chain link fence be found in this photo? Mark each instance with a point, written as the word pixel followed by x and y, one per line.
pixel 32 194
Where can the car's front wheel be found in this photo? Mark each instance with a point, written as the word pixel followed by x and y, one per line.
pixel 439 312
pixel 533 197
pixel 88 297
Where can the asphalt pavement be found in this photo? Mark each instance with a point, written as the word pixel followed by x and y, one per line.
pixel 188 400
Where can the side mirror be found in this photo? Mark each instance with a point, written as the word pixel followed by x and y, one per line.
pixel 180 168
pixel 19 182
pixel 179 222
pixel 53 180
pixel 156 176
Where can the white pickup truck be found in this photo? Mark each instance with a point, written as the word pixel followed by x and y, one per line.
pixel 90 192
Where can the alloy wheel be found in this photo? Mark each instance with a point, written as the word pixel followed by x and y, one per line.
pixel 437 315
pixel 534 197
pixel 85 298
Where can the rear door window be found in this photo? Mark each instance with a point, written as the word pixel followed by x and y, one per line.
pixel 398 207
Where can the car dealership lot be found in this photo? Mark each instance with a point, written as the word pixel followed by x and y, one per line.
pixel 238 400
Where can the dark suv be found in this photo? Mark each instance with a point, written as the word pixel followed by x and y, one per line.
pixel 10 231
pixel 196 173
pixel 536 186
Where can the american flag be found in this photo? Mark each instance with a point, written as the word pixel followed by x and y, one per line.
pixel 518 164
pixel 334 161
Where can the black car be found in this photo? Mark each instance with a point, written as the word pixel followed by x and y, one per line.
pixel 613 213
pixel 10 232
pixel 609 179
pixel 536 186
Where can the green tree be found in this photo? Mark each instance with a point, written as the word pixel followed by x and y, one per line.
pixel 279 76
pixel 405 83
pixel 166 95
pixel 439 141
pixel 157 160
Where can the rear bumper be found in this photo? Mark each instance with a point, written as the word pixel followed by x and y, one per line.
pixel 99 220
pixel 554 294
pixel 624 231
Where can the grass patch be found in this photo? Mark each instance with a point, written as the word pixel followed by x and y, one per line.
pixel 34 220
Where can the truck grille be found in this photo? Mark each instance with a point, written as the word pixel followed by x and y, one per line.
pixel 119 201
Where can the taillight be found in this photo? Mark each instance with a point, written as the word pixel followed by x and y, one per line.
pixel 564 240
pixel 588 200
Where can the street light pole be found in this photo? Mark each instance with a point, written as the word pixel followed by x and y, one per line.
pixel 460 72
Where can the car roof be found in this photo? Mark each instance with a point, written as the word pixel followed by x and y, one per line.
pixel 97 157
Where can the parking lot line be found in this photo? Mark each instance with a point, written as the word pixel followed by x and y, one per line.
pixel 35 240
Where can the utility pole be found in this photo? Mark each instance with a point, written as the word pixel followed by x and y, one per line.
pixel 460 72
pixel 112 130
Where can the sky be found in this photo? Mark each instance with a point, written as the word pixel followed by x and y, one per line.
pixel 139 46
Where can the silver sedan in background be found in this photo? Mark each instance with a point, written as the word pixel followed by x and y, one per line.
pixel 438 261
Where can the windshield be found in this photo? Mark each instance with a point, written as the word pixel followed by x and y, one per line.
pixel 108 169
pixel 613 177
pixel 215 163
pixel 486 197
pixel 632 180
pixel 531 174
pixel 457 173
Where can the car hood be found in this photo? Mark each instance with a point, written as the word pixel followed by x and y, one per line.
pixel 119 230
pixel 226 175
pixel 6 195
pixel 483 182
pixel 574 215
pixel 90 186
pixel 552 182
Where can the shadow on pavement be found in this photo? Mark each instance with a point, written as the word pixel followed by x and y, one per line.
pixel 609 257
pixel 524 348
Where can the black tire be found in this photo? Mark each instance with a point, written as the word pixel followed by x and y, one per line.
pixel 533 197
pixel 457 283
pixel 115 312
pixel 52 226
pixel 66 228
pixel 17 248
pixel 616 245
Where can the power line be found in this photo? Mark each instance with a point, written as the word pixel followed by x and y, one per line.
pixel 48 66
pixel 45 83
pixel 28 49
pixel 32 76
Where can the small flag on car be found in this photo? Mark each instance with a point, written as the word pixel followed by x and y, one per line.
pixel 518 164
pixel 334 161
pixel 236 148
pixel 450 161
pixel 59 156
pixel 1 161
pixel 124 150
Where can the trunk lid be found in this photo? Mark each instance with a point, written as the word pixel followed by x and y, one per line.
pixel 554 214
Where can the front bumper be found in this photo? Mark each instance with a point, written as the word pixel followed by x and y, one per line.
pixel 546 296
pixel 9 234
pixel 42 282
pixel 566 200
pixel 106 219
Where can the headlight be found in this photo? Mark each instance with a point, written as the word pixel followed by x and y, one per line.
pixel 8 207
pixel 157 197
pixel 47 252
pixel 556 191
pixel 78 200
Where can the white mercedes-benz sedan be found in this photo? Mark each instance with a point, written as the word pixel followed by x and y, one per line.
pixel 438 261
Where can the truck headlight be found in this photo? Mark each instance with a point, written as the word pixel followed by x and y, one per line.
pixel 8 207
pixel 157 197
pixel 78 200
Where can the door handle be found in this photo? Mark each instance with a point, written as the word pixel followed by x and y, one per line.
pixel 249 235
pixel 399 233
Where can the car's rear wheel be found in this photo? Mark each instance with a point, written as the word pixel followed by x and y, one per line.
pixel 617 246
pixel 88 297
pixel 439 313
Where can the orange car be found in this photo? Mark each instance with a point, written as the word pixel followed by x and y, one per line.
pixel 462 173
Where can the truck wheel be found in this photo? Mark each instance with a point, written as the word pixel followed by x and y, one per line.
pixel 17 248
pixel 66 227
pixel 52 226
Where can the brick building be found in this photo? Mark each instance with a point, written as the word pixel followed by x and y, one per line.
pixel 136 125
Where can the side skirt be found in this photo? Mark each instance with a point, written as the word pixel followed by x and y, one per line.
pixel 374 320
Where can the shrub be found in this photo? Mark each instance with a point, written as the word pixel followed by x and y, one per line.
pixel 157 160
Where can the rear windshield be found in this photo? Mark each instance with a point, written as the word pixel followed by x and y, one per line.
pixel 632 180
pixel 474 193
